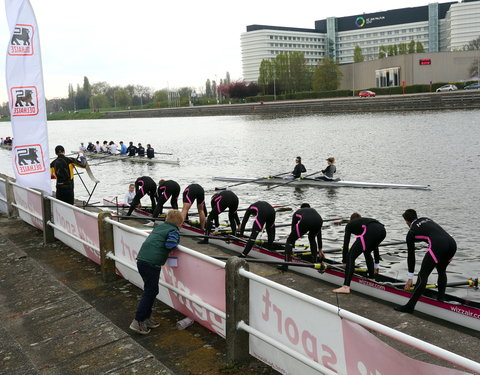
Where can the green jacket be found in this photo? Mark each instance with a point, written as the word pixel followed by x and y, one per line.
pixel 153 250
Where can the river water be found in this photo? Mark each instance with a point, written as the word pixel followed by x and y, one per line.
pixel 441 149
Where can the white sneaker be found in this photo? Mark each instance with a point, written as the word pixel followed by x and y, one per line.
pixel 139 327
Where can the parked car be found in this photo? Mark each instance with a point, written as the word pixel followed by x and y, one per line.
pixel 472 86
pixel 447 88
pixel 366 94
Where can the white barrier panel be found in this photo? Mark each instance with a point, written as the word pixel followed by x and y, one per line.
pixel 3 196
pixel 76 228
pixel 196 277
pixel 323 337
pixel 29 205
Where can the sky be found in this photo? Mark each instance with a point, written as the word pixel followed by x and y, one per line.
pixel 162 44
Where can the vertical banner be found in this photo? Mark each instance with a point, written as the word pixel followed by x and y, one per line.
pixel 26 98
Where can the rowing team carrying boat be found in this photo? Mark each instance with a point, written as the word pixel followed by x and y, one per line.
pixel 306 220
pixel 323 178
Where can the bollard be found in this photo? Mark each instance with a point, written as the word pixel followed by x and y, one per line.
pixel 12 211
pixel 237 295
pixel 105 231
pixel 48 232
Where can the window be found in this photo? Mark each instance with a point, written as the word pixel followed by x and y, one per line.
pixel 387 77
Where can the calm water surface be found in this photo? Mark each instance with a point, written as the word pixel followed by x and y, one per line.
pixel 440 149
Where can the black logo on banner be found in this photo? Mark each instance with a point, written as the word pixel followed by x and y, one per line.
pixel 25 100
pixel 21 43
pixel 29 159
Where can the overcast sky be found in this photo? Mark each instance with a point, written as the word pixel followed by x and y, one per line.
pixel 162 43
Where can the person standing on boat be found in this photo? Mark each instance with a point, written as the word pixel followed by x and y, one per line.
pixel 62 169
pixel 166 190
pixel 370 233
pixel 150 151
pixel 299 169
pixel 152 256
pixel 220 202
pixel 140 150
pixel 265 216
pixel 129 195
pixel 192 193
pixel 329 171
pixel 132 150
pixel 123 149
pixel 441 249
pixel 143 186
pixel 305 220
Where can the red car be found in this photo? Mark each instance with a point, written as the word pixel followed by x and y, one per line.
pixel 366 94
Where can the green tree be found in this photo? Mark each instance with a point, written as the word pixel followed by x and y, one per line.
pixel 160 98
pixel 100 88
pixel 99 101
pixel 208 89
pixel 265 76
pixel 123 98
pixel 300 76
pixel 402 49
pixel 282 73
pixel 390 51
pixel 473 45
pixel 382 52
pixel 411 47
pixel 358 54
pixel 326 76
pixel 419 47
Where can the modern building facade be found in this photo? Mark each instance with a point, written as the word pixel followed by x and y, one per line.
pixel 440 27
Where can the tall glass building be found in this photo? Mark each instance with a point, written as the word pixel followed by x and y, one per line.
pixel 440 27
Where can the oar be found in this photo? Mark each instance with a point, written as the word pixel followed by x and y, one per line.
pixel 318 266
pixel 163 153
pixel 250 181
pixel 470 282
pixel 227 239
pixel 290 181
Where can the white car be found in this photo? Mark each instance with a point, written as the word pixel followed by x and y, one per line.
pixel 447 88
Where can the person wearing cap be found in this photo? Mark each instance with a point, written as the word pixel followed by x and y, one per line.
pixel 62 169
pixel 299 168
pixel 441 249
pixel 329 171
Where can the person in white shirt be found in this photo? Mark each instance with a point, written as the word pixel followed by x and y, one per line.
pixel 129 195
pixel 98 148
pixel 82 147
pixel 105 147
pixel 112 147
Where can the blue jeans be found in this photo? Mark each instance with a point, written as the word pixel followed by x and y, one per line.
pixel 151 276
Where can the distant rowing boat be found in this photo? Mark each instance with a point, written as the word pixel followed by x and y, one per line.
pixel 454 309
pixel 320 183
pixel 6 147
pixel 135 159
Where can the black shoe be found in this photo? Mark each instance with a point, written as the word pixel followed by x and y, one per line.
pixel 404 308
pixel 203 242
pixel 282 267
pixel 242 255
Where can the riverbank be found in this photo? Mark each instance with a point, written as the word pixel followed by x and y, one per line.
pixel 58 317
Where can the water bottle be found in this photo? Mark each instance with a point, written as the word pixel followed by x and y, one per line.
pixel 184 323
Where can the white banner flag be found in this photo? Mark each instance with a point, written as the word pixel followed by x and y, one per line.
pixel 27 99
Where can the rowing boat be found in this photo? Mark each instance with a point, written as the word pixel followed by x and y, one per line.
pixel 5 146
pixel 320 183
pixel 135 159
pixel 454 309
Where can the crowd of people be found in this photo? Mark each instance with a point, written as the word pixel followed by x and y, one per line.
pixel 121 149
pixel 306 220
pixel 6 141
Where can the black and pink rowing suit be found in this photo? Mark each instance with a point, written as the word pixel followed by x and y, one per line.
pixel 370 233
pixel 441 249
pixel 220 202
pixel 264 216
pixel 305 220
pixel 143 186
pixel 195 192
pixel 167 190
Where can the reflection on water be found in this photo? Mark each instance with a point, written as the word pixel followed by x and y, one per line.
pixel 440 149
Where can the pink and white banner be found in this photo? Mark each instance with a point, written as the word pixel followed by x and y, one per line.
pixel 323 338
pixel 80 224
pixel 26 98
pixel 29 204
pixel 187 273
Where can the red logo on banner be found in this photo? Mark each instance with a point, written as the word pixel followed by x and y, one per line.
pixel 24 101
pixel 21 43
pixel 29 159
